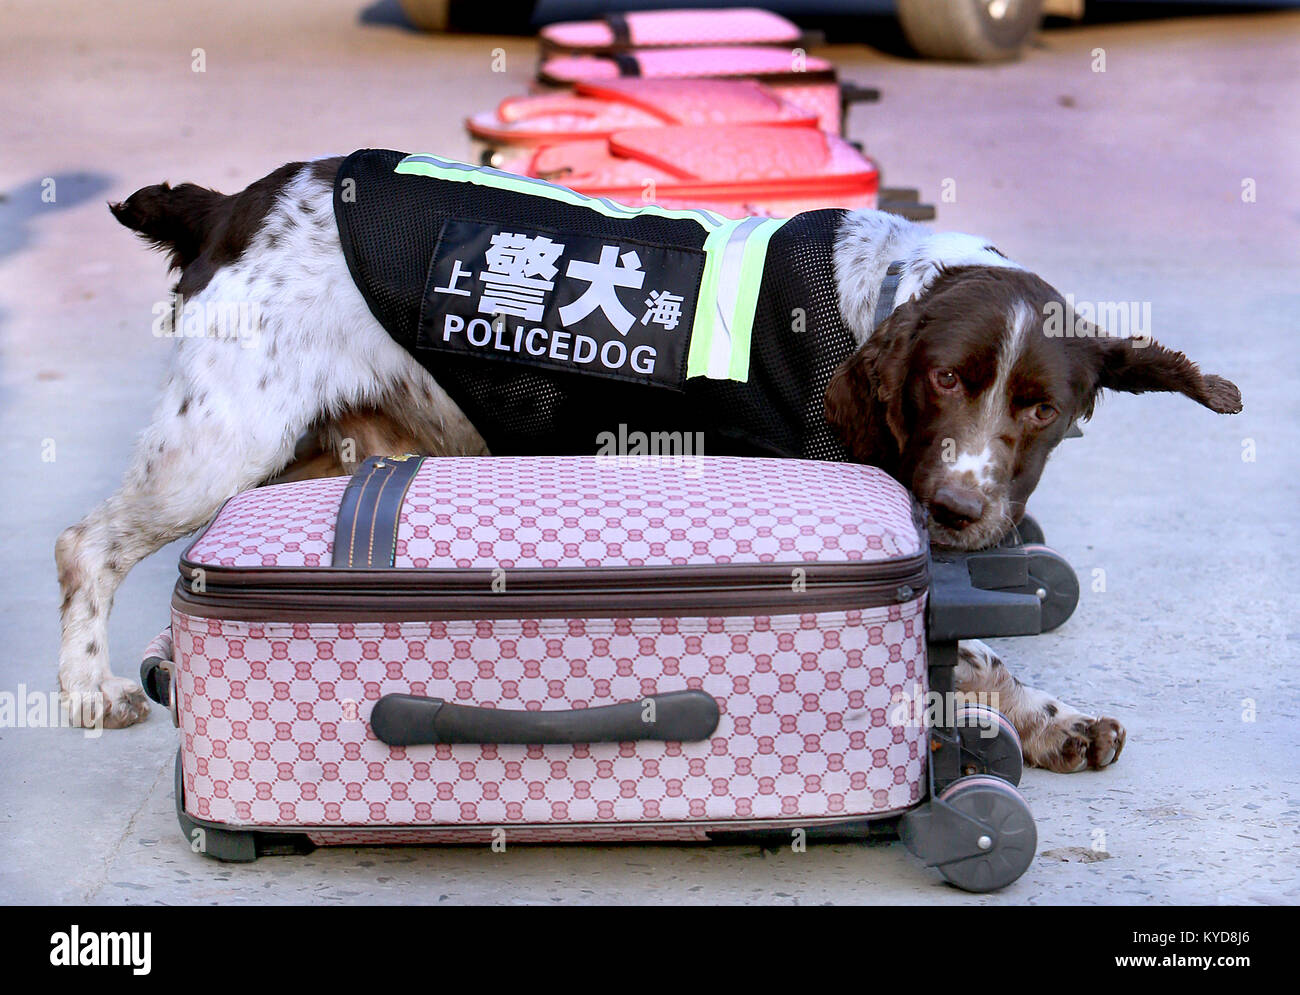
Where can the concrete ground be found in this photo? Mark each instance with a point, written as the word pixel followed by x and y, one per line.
pixel 1119 185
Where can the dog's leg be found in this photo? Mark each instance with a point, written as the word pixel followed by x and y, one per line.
pixel 423 420
pixel 1053 734
pixel 312 353
pixel 201 448
pixel 207 442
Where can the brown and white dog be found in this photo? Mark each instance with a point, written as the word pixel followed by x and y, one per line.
pixel 959 393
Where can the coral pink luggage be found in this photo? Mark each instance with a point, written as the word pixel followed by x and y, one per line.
pixel 671 28
pixel 736 170
pixel 807 82
pixel 598 110
pixel 509 650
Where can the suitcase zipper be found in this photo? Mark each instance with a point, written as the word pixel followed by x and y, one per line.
pixel 398 594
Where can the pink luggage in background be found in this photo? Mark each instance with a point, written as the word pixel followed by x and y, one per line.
pixel 671 28
pixel 597 110
pixel 736 170
pixel 642 50
pixel 805 81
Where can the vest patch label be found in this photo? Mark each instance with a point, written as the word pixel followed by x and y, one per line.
pixel 605 306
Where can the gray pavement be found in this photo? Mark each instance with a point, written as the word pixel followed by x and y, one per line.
pixel 1124 185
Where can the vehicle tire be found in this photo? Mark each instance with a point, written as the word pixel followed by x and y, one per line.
pixel 970 30
pixel 1002 808
pixel 428 15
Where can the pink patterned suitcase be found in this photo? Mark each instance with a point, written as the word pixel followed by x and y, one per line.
pixel 619 30
pixel 483 650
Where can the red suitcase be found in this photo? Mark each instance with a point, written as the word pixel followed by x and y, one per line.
pixel 807 82
pixel 598 110
pixel 575 648
pixel 737 171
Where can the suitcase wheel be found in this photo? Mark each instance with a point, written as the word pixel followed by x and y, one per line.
pixel 1051 578
pixel 235 846
pixel 989 743
pixel 1030 532
pixel 1055 583
pixel 1009 845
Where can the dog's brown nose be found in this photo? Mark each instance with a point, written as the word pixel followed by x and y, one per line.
pixel 956 507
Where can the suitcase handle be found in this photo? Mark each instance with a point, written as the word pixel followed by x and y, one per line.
pixel 678 716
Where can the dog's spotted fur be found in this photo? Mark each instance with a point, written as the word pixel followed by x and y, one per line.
pixel 324 386
pixel 1053 734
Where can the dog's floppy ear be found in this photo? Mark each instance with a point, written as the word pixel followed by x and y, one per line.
pixel 1136 366
pixel 864 400
pixel 851 406
pixel 177 219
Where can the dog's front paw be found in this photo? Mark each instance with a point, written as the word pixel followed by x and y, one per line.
pixel 115 704
pixel 1076 742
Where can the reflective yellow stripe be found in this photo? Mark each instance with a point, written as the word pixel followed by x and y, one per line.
pixel 724 318
pixel 705 334
pixel 751 279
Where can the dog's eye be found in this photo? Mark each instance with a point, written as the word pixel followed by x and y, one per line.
pixel 1042 414
pixel 945 380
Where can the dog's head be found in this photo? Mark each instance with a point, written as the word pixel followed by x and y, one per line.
pixel 964 391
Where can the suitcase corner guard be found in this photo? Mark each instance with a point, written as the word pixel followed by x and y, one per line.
pixel 411 720
pixel 158 673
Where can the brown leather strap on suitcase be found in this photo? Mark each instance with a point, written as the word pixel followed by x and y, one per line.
pixel 365 534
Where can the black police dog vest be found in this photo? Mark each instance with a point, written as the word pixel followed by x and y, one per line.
pixel 560 323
